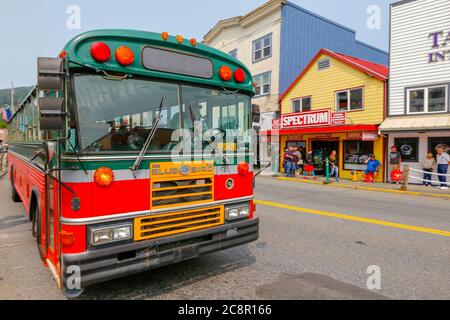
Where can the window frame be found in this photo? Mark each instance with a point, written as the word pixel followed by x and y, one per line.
pixel 426 105
pixel 261 39
pixel 349 99
pixel 345 163
pixel 261 85
pixel 301 104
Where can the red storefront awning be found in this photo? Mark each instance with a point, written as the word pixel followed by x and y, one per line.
pixel 327 129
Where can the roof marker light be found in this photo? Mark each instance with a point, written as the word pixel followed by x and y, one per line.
pixel 193 42
pixel 165 36
pixel 63 54
pixel 225 73
pixel 239 75
pixel 180 39
pixel 100 52
pixel 124 56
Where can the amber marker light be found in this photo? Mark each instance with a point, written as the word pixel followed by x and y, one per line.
pixel 225 73
pixel 165 36
pixel 104 177
pixel 180 39
pixel 124 56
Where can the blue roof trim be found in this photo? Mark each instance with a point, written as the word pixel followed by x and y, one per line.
pixel 371 47
pixel 319 17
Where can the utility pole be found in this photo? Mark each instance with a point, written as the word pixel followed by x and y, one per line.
pixel 12 96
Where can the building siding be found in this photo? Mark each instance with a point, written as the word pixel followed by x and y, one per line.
pixel 304 33
pixel 410 43
pixel 322 86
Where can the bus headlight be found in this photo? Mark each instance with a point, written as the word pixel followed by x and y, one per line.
pixel 237 212
pixel 110 234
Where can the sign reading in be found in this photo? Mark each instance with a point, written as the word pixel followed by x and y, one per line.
pixel 307 119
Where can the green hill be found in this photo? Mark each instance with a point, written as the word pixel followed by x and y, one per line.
pixel 20 94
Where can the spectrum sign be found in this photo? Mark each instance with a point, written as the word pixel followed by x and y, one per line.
pixel 307 119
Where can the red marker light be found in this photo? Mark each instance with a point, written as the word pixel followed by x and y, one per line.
pixel 193 42
pixel 124 56
pixel 239 75
pixel 100 52
pixel 63 54
pixel 243 168
pixel 225 73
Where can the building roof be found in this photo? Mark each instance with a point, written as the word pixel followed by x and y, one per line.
pixel 261 10
pixel 407 123
pixel 375 70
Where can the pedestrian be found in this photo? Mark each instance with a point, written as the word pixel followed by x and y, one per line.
pixel 309 166
pixel 299 159
pixel 395 161
pixel 442 160
pixel 334 165
pixel 428 165
pixel 373 165
pixel 290 162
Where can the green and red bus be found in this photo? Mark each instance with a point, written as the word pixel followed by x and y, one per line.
pixel 131 153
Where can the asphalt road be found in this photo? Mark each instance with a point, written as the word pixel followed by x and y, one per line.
pixel 316 242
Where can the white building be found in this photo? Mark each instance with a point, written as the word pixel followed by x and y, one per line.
pixel 276 41
pixel 418 109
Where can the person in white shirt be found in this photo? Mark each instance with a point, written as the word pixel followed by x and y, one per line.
pixel 443 161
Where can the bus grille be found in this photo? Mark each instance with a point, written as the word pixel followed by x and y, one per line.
pixel 178 222
pixel 181 192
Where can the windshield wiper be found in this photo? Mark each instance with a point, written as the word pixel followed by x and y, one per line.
pixel 210 142
pixel 149 140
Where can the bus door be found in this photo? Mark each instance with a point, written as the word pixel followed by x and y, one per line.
pixel 52 210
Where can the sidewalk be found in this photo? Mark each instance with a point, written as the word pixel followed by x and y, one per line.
pixel 416 190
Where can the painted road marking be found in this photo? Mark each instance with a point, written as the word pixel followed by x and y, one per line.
pixel 354 218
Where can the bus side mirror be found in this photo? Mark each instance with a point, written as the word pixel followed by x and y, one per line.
pixel 46 152
pixel 256 113
pixel 51 83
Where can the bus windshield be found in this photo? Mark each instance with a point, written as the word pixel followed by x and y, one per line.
pixel 116 116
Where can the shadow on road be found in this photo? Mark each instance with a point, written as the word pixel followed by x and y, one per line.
pixel 167 279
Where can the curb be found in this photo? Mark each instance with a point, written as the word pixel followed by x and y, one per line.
pixel 343 186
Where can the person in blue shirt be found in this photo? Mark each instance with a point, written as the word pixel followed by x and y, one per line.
pixel 373 165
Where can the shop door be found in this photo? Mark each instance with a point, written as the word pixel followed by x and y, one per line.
pixel 52 213
pixel 322 150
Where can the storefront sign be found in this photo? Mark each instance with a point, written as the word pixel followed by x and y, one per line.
pixel 440 46
pixel 276 124
pixel 307 119
pixel 369 136
pixel 354 135
pixel 338 118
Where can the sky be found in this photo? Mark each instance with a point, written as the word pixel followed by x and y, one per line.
pixel 34 28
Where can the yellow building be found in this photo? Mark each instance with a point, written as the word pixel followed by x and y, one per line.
pixel 337 103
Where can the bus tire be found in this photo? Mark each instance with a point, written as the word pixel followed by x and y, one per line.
pixel 14 194
pixel 72 293
pixel 37 218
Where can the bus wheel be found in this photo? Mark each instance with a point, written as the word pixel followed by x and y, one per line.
pixel 37 223
pixel 14 195
pixel 72 293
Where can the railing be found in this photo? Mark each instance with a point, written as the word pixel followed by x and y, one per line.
pixel 407 176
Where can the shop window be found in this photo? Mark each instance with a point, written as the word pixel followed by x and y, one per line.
pixel 262 48
pixel 433 143
pixel 301 105
pixel 408 148
pixel 350 100
pixel 427 100
pixel 356 153
pixel 263 84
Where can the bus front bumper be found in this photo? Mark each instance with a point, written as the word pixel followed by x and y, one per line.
pixel 101 265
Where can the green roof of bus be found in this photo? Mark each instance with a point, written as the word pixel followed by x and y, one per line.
pixel 78 53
